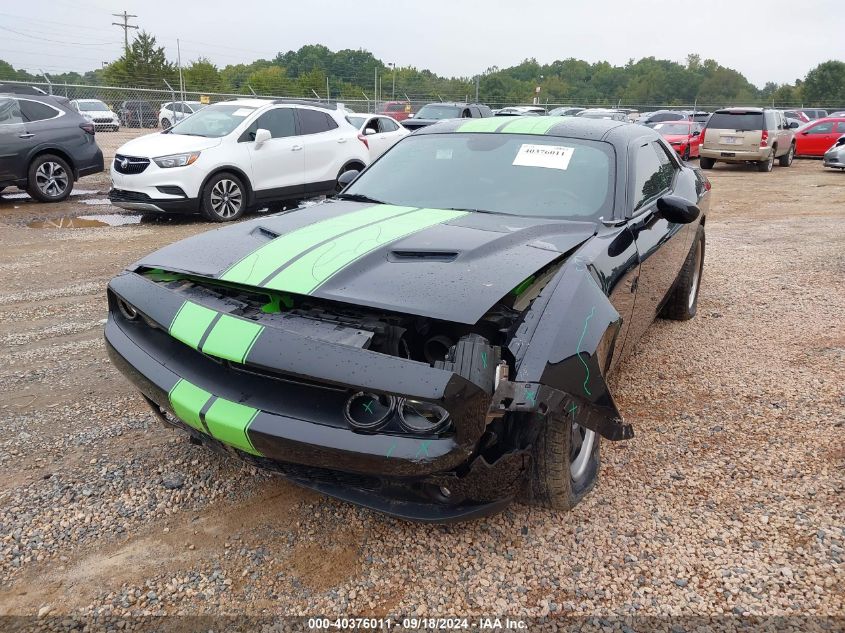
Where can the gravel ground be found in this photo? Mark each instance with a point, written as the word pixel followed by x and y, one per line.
pixel 728 502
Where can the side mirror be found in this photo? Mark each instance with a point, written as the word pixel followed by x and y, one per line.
pixel 369 131
pixel 677 210
pixel 261 137
pixel 346 177
pixel 696 133
pixel 793 125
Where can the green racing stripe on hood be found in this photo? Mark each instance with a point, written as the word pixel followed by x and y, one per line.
pixel 531 125
pixel 307 273
pixel 264 261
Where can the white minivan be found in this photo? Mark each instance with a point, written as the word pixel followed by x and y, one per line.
pixel 236 155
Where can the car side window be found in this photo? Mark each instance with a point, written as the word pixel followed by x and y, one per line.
pixel 466 114
pixel 35 111
pixel 840 127
pixel 314 121
pixel 372 124
pixel 386 125
pixel 279 122
pixel 821 128
pixel 653 173
pixel 476 113
pixel 167 106
pixel 10 112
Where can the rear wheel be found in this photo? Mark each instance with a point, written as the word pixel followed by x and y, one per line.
pixel 50 179
pixel 766 165
pixel 566 462
pixel 706 163
pixel 683 302
pixel 786 159
pixel 223 198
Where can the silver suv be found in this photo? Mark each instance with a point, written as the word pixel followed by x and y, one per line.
pixel 741 135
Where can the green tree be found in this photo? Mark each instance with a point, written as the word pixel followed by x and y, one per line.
pixel 143 65
pixel 825 84
pixel 202 76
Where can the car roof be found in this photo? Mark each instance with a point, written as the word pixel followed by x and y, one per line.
pixel 738 110
pixel 617 132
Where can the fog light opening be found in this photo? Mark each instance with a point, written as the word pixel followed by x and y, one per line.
pixel 368 411
pixel 422 417
pixel 445 491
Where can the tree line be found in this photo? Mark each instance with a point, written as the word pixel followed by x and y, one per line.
pixel 351 74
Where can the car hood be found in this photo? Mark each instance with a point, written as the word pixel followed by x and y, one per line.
pixel 161 144
pixel 436 263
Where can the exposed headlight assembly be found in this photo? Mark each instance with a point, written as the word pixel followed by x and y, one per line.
pixel 176 160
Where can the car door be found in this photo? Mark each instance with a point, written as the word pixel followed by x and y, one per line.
pixel 277 164
pixel 388 134
pixel 662 245
pixel 15 143
pixel 45 124
pixel 324 147
pixel 818 138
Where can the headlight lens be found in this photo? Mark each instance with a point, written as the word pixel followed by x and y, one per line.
pixel 176 160
pixel 422 417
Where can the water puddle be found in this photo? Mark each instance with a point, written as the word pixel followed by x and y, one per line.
pixel 26 196
pixel 86 221
pixel 96 202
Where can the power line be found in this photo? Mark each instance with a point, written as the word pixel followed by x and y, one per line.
pixel 125 26
pixel 46 39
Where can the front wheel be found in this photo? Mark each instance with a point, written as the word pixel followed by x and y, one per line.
pixel 50 179
pixel 223 198
pixel 165 124
pixel 786 159
pixel 706 163
pixel 566 462
pixel 683 302
pixel 685 156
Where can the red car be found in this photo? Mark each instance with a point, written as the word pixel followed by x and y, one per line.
pixel 815 138
pixel 398 110
pixel 683 136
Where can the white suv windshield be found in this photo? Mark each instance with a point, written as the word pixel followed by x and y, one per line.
pixel 214 121
pixel 92 106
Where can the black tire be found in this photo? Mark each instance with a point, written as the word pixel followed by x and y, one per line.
pixel 706 163
pixel 768 164
pixel 685 157
pixel 49 179
pixel 552 482
pixel 219 195
pixel 786 159
pixel 683 302
pixel 165 124
pixel 1 189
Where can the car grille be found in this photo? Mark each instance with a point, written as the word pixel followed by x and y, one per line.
pixel 130 164
pixel 121 195
pixel 102 120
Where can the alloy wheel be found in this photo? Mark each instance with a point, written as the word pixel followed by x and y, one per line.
pixel 581 449
pixel 696 275
pixel 51 179
pixel 226 198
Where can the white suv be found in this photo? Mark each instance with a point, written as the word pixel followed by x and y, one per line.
pixel 236 155
pixel 174 111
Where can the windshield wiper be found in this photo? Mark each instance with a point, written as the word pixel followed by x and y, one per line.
pixel 485 211
pixel 359 197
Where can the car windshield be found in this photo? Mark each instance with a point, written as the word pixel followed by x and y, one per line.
pixel 214 121
pixel 671 128
pixel 740 121
pixel 439 112
pixel 511 174
pixel 92 106
pixel 356 121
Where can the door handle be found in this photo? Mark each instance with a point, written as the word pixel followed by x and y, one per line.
pixel 26 135
pixel 341 140
pixel 296 148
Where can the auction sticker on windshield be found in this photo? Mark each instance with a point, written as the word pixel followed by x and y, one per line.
pixel 243 111
pixel 548 156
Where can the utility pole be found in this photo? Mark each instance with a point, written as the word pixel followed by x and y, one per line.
pixel 179 61
pixel 125 26
pixel 477 81
pixel 393 93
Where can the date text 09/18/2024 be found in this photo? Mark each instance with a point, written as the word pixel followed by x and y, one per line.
pixel 416 624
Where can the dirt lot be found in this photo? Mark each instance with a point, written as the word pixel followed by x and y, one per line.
pixel 729 500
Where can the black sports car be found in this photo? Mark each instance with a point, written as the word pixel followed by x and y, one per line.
pixel 435 342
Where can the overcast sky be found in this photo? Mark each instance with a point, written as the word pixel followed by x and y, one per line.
pixel 766 40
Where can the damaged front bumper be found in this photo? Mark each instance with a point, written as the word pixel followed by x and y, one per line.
pixel 281 404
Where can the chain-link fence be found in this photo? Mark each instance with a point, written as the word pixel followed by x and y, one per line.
pixel 123 113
